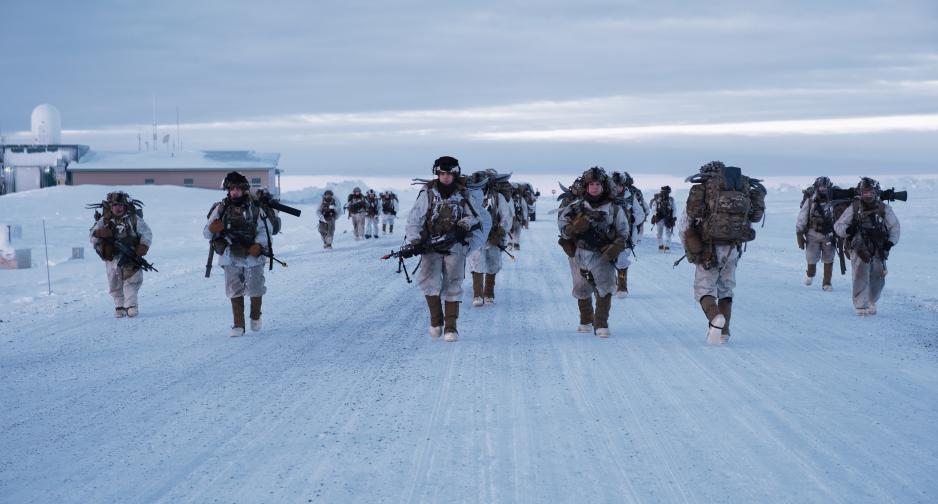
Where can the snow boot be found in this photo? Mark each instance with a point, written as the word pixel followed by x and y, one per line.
pixel 255 313
pixel 451 311
pixel 488 291
pixel 132 311
pixel 871 309
pixel 120 312
pixel 477 281
pixel 391 229
pixel 660 248
pixel 809 275
pixel 586 315
pixel 601 317
pixel 726 308
pixel 715 319
pixel 667 249
pixel 237 310
pixel 622 283
pixel 828 273
pixel 436 316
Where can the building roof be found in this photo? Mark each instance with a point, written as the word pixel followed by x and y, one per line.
pixel 180 160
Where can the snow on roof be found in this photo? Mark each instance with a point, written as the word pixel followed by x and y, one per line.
pixel 180 160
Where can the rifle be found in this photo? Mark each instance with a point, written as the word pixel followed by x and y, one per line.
pixel 130 255
pixel 266 199
pixel 839 243
pixel 208 262
pixel 439 245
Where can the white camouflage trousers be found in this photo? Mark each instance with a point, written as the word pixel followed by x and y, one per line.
pixel 358 224
pixel 869 278
pixel 123 284
pixel 244 281
pixel 720 280
pixel 515 238
pixel 327 231
pixel 600 269
pixel 817 247
pixel 371 226
pixel 387 219
pixel 443 275
pixel 663 233
pixel 486 259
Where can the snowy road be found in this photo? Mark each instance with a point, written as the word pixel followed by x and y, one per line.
pixel 343 397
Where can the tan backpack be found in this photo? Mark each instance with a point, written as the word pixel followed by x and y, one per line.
pixel 725 204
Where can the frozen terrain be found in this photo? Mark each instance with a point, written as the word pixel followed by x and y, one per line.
pixel 343 396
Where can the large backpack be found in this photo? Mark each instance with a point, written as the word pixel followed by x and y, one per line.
pixel 725 204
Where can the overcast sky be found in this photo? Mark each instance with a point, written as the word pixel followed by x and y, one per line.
pixel 384 87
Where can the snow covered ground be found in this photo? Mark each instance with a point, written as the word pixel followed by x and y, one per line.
pixel 343 396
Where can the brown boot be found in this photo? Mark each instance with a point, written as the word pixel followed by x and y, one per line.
pixel 714 318
pixel 809 275
pixel 255 313
pixel 622 282
pixel 586 314
pixel 255 307
pixel 237 310
pixel 436 315
pixel 726 308
pixel 477 285
pixel 489 290
pixel 451 314
pixel 828 273
pixel 601 317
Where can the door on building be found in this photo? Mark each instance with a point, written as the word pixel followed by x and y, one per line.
pixel 26 178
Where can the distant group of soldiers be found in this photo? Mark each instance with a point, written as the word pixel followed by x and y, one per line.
pixel 856 223
pixel 476 219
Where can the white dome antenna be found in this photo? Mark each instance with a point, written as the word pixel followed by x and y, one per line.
pixel 46 125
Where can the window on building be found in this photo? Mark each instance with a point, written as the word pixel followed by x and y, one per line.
pixel 187 182
pixel 255 181
pixel 149 181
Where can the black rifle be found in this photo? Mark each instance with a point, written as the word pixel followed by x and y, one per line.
pixel 440 245
pixel 130 255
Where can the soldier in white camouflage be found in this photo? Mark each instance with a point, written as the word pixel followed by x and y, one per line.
pixel 445 213
pixel 871 230
pixel 721 207
pixel 814 231
pixel 121 222
pixel 594 231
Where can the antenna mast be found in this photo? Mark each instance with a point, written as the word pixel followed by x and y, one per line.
pixel 154 124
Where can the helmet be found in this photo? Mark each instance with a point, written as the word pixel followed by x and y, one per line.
pixel 118 198
pixel 822 182
pixel 356 190
pixel 665 189
pixel 478 177
pixel 446 164
pixel 866 183
pixel 596 174
pixel 235 179
pixel 328 193
pixel 618 178
pixel 371 192
pixel 712 167
pixel 628 179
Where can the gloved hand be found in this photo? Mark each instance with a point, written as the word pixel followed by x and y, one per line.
pixel 104 232
pixel 888 245
pixel 654 220
pixel 255 249
pixel 611 252
pixel 580 224
pixel 216 226
pixel 801 240
pixel 851 229
pixel 465 223
pixel 142 249
pixel 568 246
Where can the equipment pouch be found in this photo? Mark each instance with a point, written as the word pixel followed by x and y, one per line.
pixel 219 245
